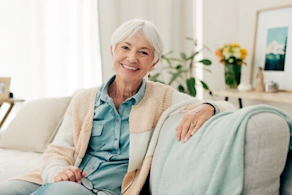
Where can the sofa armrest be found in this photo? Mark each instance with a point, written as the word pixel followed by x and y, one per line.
pixel 266 143
pixel 266 146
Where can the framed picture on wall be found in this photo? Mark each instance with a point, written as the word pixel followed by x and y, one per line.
pixel 4 87
pixel 273 46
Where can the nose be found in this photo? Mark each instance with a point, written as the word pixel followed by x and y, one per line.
pixel 132 57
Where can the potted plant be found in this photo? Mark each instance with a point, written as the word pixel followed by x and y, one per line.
pixel 180 70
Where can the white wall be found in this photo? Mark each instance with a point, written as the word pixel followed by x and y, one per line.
pixel 219 28
pixel 224 21
pixel 16 44
pixel 49 48
pixel 228 21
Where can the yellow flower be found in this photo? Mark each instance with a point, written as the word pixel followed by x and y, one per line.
pixel 235 45
pixel 243 52
pixel 232 53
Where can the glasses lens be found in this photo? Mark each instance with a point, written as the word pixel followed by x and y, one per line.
pixel 87 183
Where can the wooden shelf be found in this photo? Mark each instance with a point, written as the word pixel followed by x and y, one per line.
pixel 11 104
pixel 281 96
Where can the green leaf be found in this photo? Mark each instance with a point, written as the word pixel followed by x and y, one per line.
pixel 190 38
pixel 176 59
pixel 193 55
pixel 168 61
pixel 193 40
pixel 205 86
pixel 205 62
pixel 191 86
pixel 205 47
pixel 206 69
pixel 175 76
pixel 180 88
pixel 178 67
pixel 154 77
pixel 183 56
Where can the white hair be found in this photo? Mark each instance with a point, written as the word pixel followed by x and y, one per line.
pixel 135 26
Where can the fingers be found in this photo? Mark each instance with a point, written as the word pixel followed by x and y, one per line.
pixel 192 121
pixel 70 174
pixel 192 130
pixel 185 126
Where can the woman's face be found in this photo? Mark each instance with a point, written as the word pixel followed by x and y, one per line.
pixel 132 59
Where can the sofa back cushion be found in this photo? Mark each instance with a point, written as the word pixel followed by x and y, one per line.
pixel 35 125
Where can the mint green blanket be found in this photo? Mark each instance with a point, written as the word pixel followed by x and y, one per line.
pixel 211 162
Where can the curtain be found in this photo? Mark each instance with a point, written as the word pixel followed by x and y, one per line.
pixel 173 18
pixel 65 46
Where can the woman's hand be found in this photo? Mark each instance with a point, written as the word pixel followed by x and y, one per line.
pixel 192 121
pixel 70 173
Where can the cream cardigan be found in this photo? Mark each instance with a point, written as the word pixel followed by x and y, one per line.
pixel 71 141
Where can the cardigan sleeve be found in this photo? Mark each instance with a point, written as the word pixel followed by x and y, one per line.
pixel 66 147
pixel 60 153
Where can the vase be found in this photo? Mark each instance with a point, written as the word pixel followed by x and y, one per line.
pixel 232 75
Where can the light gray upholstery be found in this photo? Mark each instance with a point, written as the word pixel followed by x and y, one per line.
pixel 266 147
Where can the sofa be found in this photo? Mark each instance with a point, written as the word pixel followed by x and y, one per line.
pixel 28 134
pixel 266 160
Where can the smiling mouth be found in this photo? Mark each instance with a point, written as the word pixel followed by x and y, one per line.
pixel 129 67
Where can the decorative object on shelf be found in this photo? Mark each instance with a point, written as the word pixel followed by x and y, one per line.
pixel 232 56
pixel 244 87
pixel 4 87
pixel 272 46
pixel 271 87
pixel 260 86
pixel 182 72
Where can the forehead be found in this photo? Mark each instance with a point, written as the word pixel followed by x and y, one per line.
pixel 138 40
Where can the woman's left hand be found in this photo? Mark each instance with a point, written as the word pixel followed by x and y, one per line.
pixel 192 121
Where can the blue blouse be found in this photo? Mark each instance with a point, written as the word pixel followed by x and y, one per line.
pixel 107 156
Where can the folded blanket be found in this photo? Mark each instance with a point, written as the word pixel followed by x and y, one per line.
pixel 212 161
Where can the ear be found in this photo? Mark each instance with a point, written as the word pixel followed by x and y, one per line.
pixel 111 50
pixel 154 64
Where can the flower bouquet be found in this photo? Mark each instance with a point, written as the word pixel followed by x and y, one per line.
pixel 232 56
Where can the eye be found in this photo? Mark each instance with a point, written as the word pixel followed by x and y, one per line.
pixel 144 53
pixel 125 47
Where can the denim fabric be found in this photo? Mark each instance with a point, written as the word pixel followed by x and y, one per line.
pixel 18 187
pixel 107 167
pixel 63 188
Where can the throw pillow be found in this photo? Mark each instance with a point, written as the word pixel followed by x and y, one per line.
pixel 35 125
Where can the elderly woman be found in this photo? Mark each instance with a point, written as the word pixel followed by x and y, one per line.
pixel 97 149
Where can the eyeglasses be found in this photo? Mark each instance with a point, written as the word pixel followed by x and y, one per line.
pixel 87 183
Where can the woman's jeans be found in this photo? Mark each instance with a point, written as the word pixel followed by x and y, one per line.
pixel 18 187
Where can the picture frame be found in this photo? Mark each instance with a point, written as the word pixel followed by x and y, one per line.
pixel 273 47
pixel 4 87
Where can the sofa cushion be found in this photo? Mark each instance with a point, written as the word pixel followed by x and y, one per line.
pixel 14 163
pixel 35 125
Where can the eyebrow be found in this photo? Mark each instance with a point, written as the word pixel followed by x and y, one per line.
pixel 140 48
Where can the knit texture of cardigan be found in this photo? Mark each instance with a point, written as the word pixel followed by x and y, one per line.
pixel 71 141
